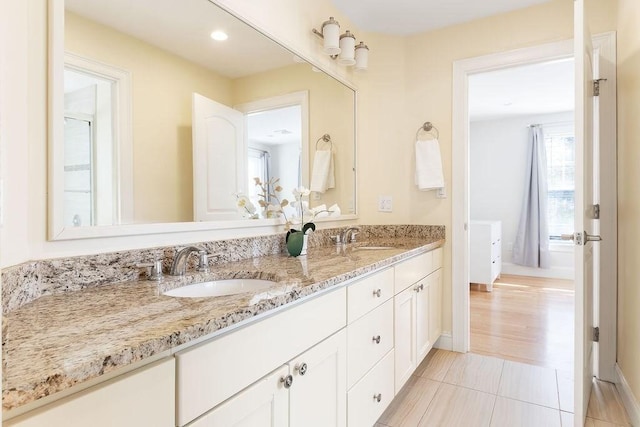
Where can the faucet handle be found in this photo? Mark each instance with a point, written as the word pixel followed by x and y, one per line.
pixel 155 272
pixel 336 239
pixel 203 260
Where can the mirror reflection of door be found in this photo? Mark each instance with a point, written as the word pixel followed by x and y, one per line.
pixel 274 138
pixel 89 194
pixel 78 171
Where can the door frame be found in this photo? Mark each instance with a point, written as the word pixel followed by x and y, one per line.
pixel 462 69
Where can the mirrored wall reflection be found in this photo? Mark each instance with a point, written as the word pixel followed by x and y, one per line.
pixel 274 137
pixel 169 56
pixel 89 194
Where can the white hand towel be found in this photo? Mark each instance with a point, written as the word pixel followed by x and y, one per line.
pixel 323 176
pixel 428 165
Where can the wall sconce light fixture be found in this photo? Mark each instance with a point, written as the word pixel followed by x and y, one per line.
pixel 343 47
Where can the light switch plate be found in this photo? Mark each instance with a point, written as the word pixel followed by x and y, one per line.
pixel 385 204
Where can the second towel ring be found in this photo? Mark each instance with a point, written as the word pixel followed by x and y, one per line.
pixel 324 138
pixel 430 129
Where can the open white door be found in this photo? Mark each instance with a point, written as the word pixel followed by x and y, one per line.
pixel 584 222
pixel 218 159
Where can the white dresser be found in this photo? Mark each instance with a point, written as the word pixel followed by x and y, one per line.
pixel 485 241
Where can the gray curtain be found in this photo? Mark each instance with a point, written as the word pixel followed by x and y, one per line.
pixel 531 246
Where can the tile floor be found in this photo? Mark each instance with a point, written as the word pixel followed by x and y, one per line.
pixel 453 389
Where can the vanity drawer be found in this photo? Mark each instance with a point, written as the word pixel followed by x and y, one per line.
pixel 368 293
pixel 214 371
pixel 410 271
pixel 362 400
pixel 364 349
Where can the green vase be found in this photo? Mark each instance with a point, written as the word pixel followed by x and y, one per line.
pixel 295 240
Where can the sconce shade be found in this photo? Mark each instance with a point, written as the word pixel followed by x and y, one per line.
pixel 347 46
pixel 331 35
pixel 362 56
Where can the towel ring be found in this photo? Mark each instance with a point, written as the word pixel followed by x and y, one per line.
pixel 324 138
pixel 430 129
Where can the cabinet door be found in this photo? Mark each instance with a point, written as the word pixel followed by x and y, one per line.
pixel 263 404
pixel 405 336
pixel 435 306
pixel 144 397
pixel 318 395
pixel 423 343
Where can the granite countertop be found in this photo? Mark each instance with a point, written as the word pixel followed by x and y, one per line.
pixel 57 341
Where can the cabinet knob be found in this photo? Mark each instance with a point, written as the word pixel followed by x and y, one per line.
pixel 377 397
pixel 377 293
pixel 286 381
pixel 302 368
pixel 376 339
pixel 422 286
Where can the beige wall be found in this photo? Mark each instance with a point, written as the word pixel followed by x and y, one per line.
pixel 427 85
pixel 628 193
pixel 162 86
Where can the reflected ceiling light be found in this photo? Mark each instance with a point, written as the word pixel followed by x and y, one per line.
pixel 219 35
pixel 343 47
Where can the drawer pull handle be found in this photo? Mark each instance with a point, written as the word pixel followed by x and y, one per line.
pixel 286 381
pixel 377 293
pixel 419 287
pixel 376 339
pixel 377 397
pixel 302 369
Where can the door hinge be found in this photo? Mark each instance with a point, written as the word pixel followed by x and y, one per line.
pixel 596 86
pixel 596 334
pixel 595 211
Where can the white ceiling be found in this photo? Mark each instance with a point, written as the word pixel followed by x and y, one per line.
pixel 184 28
pixel 542 88
pixel 404 17
pixel 274 127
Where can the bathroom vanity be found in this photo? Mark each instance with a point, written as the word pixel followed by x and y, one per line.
pixel 330 344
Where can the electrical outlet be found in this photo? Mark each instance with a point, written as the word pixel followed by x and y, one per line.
pixel 441 193
pixel 316 196
pixel 385 204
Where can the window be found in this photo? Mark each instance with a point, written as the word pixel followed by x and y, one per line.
pixel 561 163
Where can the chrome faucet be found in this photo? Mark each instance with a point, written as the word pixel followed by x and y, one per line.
pixel 179 265
pixel 349 234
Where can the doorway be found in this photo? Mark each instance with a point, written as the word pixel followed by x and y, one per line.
pixel 522 309
pixel 462 70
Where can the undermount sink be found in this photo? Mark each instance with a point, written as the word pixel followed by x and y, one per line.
pixel 217 288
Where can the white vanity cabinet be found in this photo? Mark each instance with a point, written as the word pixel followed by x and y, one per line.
pixel 417 311
pixel 214 371
pixel 310 390
pixel 143 397
pixel 485 252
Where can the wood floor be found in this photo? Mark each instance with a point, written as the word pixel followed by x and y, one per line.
pixel 453 389
pixel 525 319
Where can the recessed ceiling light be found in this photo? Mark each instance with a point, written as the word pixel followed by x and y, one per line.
pixel 219 35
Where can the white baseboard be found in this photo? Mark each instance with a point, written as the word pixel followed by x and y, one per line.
pixel 630 403
pixel 550 273
pixel 445 342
